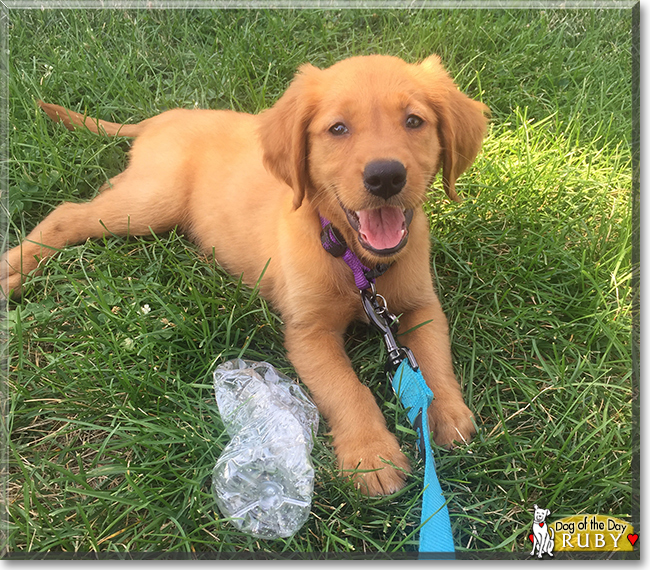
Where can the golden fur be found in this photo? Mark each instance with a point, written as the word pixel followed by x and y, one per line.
pixel 250 188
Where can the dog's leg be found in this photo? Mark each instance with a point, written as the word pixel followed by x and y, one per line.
pixel 449 418
pixel 131 206
pixel 550 544
pixel 361 438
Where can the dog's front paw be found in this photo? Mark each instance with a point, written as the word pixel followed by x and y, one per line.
pixel 378 467
pixel 450 421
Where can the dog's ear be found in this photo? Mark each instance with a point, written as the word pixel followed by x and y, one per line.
pixel 535 507
pixel 283 131
pixel 462 122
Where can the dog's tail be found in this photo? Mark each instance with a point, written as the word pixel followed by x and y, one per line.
pixel 72 120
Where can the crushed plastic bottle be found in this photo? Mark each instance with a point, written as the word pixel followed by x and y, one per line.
pixel 264 479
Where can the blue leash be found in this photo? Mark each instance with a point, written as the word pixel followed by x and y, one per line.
pixel 415 395
pixel 410 387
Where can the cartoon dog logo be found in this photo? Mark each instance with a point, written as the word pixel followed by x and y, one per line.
pixel 543 540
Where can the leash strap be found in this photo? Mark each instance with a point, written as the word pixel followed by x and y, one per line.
pixel 415 395
pixel 410 387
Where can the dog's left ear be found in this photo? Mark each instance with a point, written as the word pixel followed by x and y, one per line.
pixel 283 131
pixel 462 122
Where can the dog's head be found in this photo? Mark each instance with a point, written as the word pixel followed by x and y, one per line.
pixel 364 138
pixel 540 514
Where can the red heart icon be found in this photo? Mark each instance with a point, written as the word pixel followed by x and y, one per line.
pixel 531 538
pixel 633 538
pixel 541 524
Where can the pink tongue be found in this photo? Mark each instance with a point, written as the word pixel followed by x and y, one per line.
pixel 381 228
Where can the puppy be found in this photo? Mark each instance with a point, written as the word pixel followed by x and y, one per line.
pixel 358 143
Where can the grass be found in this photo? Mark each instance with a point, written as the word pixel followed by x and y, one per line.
pixel 110 422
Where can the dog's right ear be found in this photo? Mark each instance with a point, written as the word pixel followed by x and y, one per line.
pixel 462 122
pixel 283 131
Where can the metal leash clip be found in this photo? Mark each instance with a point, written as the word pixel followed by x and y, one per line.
pixel 387 323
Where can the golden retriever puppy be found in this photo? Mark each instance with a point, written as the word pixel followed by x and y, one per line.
pixel 357 143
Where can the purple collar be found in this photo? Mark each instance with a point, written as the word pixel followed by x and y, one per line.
pixel 334 244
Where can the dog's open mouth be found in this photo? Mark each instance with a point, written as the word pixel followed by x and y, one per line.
pixel 382 231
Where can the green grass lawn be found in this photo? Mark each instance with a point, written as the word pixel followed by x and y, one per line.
pixel 111 426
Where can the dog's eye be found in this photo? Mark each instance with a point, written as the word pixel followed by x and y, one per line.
pixel 339 129
pixel 413 122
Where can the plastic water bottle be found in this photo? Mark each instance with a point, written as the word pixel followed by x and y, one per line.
pixel 264 479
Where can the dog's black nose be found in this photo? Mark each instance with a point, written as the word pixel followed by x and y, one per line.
pixel 384 178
